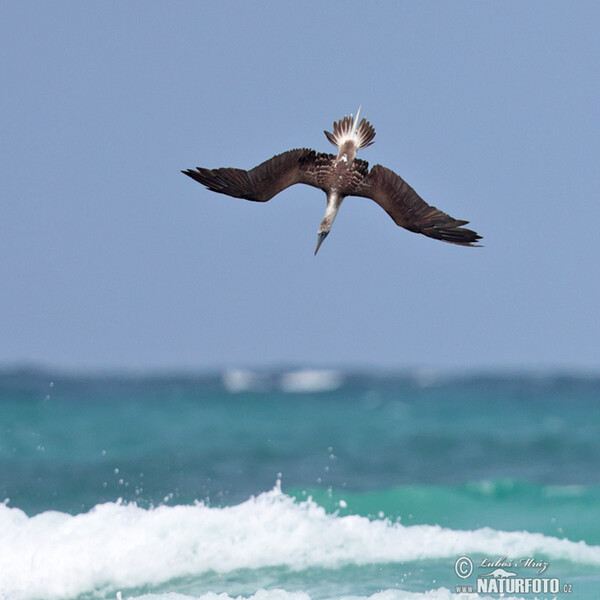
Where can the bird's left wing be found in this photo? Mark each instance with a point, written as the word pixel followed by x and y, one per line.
pixel 267 179
pixel 410 211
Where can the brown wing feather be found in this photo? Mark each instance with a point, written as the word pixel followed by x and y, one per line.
pixel 410 211
pixel 264 181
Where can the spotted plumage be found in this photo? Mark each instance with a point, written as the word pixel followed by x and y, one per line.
pixel 339 176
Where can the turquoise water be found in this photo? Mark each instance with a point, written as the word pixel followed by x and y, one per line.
pixel 281 486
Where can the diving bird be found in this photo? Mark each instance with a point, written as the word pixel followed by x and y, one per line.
pixel 339 176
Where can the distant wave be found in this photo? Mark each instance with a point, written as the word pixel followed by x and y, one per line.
pixel 115 546
pixel 311 380
pixel 307 379
pixel 243 380
pixel 300 381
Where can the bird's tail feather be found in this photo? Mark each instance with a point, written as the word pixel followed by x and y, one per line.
pixel 349 129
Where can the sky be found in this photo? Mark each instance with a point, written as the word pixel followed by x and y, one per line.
pixel 110 258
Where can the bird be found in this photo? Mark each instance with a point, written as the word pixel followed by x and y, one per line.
pixel 339 176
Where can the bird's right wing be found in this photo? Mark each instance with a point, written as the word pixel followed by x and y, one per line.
pixel 410 211
pixel 267 179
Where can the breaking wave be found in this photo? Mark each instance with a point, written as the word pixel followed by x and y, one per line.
pixel 118 546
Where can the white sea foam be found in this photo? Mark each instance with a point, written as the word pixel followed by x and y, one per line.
pixel 277 594
pixel 56 555
pixel 311 380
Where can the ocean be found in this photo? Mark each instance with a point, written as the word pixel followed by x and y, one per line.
pixel 297 484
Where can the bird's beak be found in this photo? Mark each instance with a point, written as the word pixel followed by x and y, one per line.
pixel 320 238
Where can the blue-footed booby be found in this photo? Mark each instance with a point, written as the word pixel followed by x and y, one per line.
pixel 339 176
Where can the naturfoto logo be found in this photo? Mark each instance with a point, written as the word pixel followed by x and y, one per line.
pixel 505 578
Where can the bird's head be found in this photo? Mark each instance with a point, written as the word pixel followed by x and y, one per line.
pixel 320 238
pixel 333 205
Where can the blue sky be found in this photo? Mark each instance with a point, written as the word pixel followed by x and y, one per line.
pixel 111 258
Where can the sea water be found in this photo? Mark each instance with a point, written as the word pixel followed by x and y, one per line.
pixel 298 485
